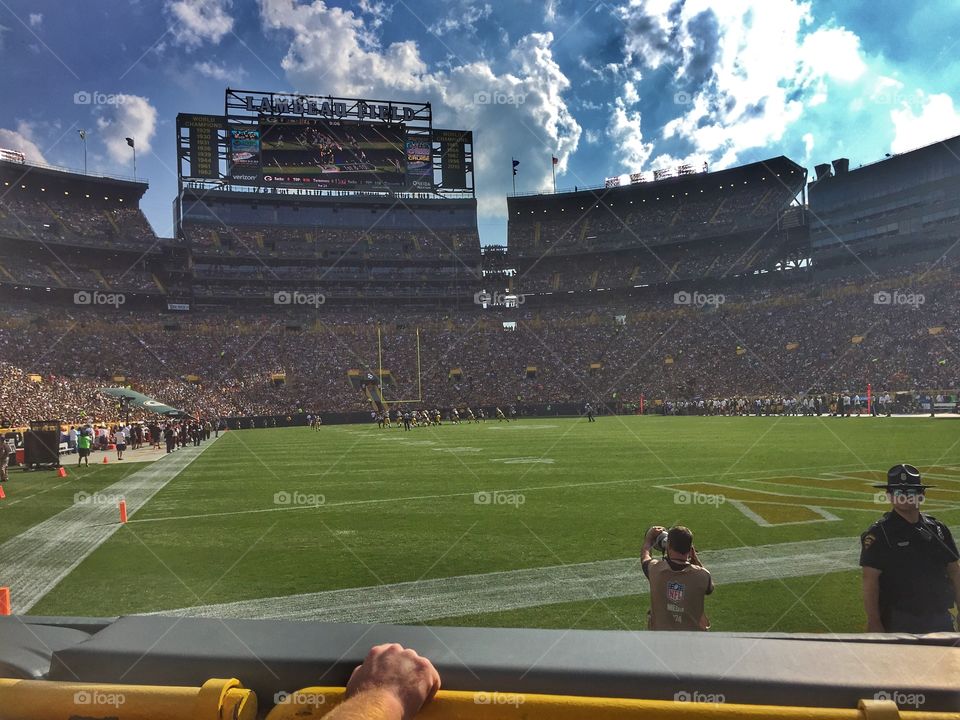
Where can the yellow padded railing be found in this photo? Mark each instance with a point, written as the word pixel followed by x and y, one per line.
pixel 312 703
pixel 40 700
pixel 229 700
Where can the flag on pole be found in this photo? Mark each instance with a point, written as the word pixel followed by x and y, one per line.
pixel 515 163
pixel 130 142
pixel 555 160
pixel 83 134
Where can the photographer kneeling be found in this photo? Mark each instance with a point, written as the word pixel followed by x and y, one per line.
pixel 678 582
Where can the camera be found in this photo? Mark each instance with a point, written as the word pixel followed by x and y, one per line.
pixel 661 542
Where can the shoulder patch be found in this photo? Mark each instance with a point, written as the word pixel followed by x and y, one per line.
pixel 867 540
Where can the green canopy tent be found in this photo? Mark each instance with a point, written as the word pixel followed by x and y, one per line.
pixel 130 398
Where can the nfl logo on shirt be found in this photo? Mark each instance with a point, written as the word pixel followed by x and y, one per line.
pixel 675 592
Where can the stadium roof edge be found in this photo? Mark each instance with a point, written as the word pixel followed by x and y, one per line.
pixel 666 182
pixel 21 172
pixel 898 158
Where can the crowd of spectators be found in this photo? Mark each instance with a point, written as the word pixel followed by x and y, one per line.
pixel 898 335
pixel 248 261
pixel 675 216
pixel 49 269
pixel 650 266
pixel 75 241
pixel 76 220
pixel 766 337
pixel 335 245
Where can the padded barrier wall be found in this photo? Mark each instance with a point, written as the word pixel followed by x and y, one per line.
pixel 272 657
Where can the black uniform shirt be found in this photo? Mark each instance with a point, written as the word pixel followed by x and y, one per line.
pixel 912 560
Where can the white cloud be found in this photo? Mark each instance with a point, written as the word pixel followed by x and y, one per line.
pixel 131 116
pixel 937 120
pixel 808 144
pixel 462 20
pixel 378 10
pixel 649 31
pixel 744 70
pixel 193 22
pixel 625 128
pixel 219 71
pixel 35 19
pixel 887 91
pixel 22 140
pixel 550 12
pixel 833 53
pixel 333 51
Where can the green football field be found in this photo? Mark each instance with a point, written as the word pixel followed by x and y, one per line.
pixel 534 523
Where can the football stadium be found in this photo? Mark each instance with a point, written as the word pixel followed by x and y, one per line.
pixel 322 416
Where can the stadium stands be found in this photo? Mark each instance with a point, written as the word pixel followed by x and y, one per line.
pixel 896 212
pixel 344 249
pixel 746 199
pixel 716 224
pixel 74 232
pixel 299 285
pixel 234 354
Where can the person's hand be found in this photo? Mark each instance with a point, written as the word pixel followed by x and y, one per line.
pixel 398 673
pixel 653 533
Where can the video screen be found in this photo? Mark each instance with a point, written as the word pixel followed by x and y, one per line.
pixel 244 154
pixel 419 164
pixel 339 155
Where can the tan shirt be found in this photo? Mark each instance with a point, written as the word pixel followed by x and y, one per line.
pixel 676 596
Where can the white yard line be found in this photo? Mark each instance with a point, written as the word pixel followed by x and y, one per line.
pixel 35 561
pixel 413 602
pixel 825 516
pixel 471 493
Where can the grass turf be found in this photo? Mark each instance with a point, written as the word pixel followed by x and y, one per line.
pixel 400 506
pixel 33 497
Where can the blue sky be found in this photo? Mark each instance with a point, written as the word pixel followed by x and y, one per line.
pixel 608 87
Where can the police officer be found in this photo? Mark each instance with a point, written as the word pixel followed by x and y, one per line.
pixel 911 574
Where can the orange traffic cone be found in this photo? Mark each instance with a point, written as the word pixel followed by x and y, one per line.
pixel 61 471
pixel 105 461
pixel 4 601
pixel 123 512
pixel 2 494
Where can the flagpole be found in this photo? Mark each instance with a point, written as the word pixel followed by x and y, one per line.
pixel 513 171
pixel 133 146
pixel 83 139
pixel 553 167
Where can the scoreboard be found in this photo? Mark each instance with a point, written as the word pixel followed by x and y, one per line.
pixel 204 138
pixel 267 139
pixel 453 156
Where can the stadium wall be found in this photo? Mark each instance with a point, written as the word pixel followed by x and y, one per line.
pixel 277 657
